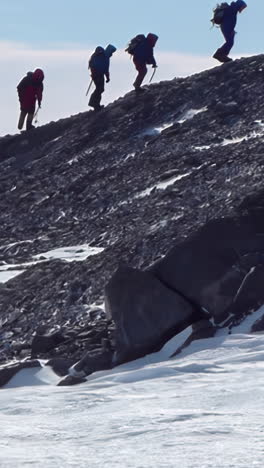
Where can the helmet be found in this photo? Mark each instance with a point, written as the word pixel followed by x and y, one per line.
pixel 38 75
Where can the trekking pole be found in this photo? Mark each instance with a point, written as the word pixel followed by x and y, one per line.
pixel 89 87
pixel 152 76
pixel 36 115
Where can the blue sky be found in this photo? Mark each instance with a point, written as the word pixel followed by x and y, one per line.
pixel 182 25
pixel 60 35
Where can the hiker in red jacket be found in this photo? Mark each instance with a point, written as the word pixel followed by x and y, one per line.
pixel 30 90
pixel 143 55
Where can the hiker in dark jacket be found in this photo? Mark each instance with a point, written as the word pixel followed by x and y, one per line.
pixel 143 55
pixel 99 66
pixel 30 90
pixel 228 29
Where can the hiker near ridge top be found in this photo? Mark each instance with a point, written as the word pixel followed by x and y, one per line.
pixel 142 50
pixel 30 90
pixel 99 64
pixel 227 21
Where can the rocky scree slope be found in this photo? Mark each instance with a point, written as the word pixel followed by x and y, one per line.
pixel 133 180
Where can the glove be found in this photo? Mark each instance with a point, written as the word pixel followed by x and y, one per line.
pixel 39 104
pixel 107 79
pixel 155 66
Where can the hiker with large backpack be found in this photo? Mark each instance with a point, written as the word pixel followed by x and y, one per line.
pixel 30 90
pixel 225 15
pixel 99 64
pixel 141 48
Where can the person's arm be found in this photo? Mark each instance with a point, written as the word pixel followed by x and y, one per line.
pixel 107 74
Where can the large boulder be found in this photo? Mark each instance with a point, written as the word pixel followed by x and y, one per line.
pixel 210 266
pixel 146 313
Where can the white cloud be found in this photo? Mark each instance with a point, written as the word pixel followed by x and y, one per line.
pixel 67 78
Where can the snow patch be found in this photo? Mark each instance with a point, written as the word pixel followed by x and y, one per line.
pixel 32 377
pixel 7 275
pixel 246 325
pixel 129 156
pixel 156 130
pixel 162 185
pixel 202 148
pixel 191 113
pixel 77 253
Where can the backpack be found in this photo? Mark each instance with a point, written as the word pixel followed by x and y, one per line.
pixel 219 12
pixel 134 43
pixel 109 50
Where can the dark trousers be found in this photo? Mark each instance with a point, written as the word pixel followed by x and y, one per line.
pixel 142 71
pixel 96 96
pixel 229 41
pixel 30 116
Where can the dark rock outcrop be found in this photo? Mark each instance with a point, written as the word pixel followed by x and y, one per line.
pixel 71 380
pixel 45 343
pixel 93 362
pixel 210 267
pixel 145 312
pixel 258 326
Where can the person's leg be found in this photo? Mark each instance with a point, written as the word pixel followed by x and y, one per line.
pixel 229 42
pixel 21 119
pixel 222 53
pixel 30 120
pixel 96 96
pixel 142 71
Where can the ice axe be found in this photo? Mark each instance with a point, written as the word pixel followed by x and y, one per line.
pixel 152 76
pixel 35 118
pixel 89 87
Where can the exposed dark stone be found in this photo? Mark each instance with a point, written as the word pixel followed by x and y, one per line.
pixel 258 326
pixel 208 267
pixel 70 380
pixel 60 366
pixel 250 295
pixel 94 361
pixel 45 343
pixel 145 312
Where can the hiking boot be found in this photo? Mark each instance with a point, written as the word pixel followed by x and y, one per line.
pixel 30 127
pixel 228 59
pixel 220 56
pixel 98 108
pixel 138 89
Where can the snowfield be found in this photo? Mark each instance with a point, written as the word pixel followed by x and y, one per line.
pixel 202 409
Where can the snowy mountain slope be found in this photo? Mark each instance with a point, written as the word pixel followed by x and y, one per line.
pixel 203 408
pixel 132 181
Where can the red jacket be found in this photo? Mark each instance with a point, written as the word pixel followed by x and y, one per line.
pixel 29 91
